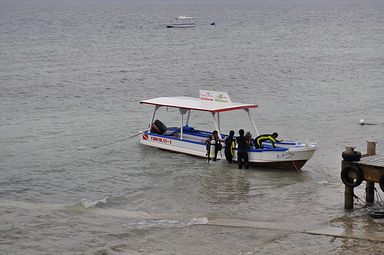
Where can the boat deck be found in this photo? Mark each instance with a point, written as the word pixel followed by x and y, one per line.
pixel 200 136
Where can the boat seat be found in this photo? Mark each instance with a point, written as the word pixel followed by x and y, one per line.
pixel 170 132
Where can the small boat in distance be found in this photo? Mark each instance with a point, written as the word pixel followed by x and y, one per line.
pixel 189 140
pixel 183 22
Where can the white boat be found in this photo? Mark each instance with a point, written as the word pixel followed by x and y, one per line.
pixel 183 22
pixel 190 140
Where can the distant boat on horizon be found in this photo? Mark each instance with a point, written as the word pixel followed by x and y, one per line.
pixel 183 22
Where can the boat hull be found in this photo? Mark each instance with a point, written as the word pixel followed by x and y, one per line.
pixel 288 156
pixel 293 164
pixel 180 25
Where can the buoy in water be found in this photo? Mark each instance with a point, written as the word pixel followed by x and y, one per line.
pixel 362 122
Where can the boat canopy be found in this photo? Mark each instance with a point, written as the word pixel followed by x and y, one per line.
pixel 198 104
pixel 183 17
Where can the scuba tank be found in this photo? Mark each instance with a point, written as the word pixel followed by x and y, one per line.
pixel 232 147
pixel 213 147
pixel 212 150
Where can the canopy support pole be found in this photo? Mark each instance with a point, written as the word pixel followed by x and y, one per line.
pixel 153 118
pixel 182 112
pixel 181 128
pixel 188 113
pixel 216 123
pixel 253 123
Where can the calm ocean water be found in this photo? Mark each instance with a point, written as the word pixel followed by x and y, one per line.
pixel 72 74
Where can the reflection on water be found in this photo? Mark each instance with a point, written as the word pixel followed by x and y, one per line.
pixel 224 185
pixel 360 227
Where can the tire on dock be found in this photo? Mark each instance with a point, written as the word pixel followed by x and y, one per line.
pixel 350 182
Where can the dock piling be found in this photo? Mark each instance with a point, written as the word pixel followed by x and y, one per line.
pixel 371 148
pixel 370 186
pixel 348 191
pixel 356 168
pixel 348 197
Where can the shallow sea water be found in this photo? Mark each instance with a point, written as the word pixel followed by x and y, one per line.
pixel 71 78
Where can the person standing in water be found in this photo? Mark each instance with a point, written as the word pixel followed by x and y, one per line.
pixel 242 150
pixel 213 144
pixel 230 144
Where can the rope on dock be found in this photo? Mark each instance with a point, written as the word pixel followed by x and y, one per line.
pixel 379 199
pixel 361 202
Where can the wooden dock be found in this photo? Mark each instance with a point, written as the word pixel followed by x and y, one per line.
pixel 375 161
pixel 370 168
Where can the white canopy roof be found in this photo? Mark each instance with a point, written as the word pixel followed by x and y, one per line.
pixel 197 104
pixel 185 17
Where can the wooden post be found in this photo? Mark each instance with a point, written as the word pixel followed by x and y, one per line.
pixel 348 198
pixel 370 192
pixel 371 148
pixel 348 191
pixel 370 186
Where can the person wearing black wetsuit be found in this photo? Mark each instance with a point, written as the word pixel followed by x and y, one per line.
pixel 267 137
pixel 217 141
pixel 242 150
pixel 230 144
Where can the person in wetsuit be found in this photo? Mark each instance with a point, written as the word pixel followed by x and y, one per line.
pixel 242 150
pixel 267 137
pixel 230 143
pixel 249 139
pixel 217 141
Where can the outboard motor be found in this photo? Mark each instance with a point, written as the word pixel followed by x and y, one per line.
pixel 158 127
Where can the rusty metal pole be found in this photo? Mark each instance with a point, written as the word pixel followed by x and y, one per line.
pixel 370 186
